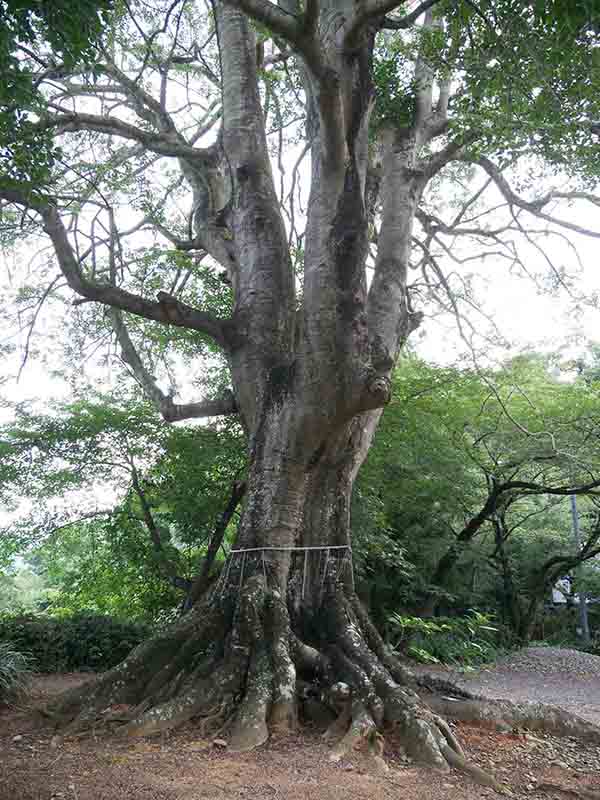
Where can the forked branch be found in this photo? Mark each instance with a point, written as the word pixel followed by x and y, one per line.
pixel 274 17
pixel 536 207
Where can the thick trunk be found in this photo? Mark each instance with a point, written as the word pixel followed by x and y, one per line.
pixel 284 606
pixel 326 513
pixel 282 628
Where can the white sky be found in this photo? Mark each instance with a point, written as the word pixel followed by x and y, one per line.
pixel 527 319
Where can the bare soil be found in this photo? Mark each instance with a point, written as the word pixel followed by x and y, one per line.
pixel 37 764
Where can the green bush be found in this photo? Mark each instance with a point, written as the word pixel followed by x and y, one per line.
pixel 15 670
pixel 80 642
pixel 466 641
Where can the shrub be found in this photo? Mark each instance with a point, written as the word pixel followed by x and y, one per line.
pixel 15 670
pixel 80 642
pixel 466 641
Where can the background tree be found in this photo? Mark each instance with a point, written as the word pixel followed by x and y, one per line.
pixel 473 471
pixel 532 559
pixel 21 589
pixel 310 360
pixel 170 494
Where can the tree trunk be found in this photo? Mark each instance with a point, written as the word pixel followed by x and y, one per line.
pixel 521 615
pixel 511 606
pixel 449 561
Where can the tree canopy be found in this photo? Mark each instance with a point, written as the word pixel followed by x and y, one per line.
pixel 55 36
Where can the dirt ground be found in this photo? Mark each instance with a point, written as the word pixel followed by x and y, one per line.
pixel 35 764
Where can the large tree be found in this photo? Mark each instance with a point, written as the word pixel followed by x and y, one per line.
pixel 389 96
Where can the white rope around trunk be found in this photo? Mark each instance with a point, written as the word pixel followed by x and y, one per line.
pixel 324 563
pixel 318 547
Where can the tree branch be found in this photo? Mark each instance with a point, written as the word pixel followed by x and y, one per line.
pixel 497 490
pixel 536 488
pixel 379 8
pixel 453 150
pixel 167 309
pixel 147 106
pixel 554 567
pixel 535 206
pixel 263 278
pixel 163 143
pixel 274 17
pixel 201 581
pixel 170 411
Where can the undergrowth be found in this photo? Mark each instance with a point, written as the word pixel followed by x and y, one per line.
pixel 66 644
pixel 465 641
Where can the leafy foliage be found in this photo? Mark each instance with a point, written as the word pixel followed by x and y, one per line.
pixel 78 642
pixel 527 95
pixel 465 641
pixel 177 480
pixel 448 437
pixel 70 30
pixel 21 589
pixel 102 569
pixel 524 77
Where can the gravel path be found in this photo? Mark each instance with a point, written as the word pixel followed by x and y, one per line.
pixel 566 678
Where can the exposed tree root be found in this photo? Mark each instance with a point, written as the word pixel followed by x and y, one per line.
pixel 339 699
pixel 361 730
pixel 479 775
pixel 199 700
pixel 569 791
pixel 505 715
pixel 244 662
pixel 214 722
pixel 129 682
pixel 451 740
pixel 250 727
pixel 283 716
